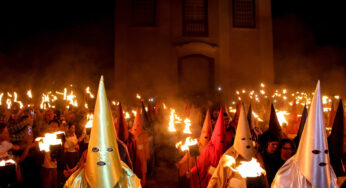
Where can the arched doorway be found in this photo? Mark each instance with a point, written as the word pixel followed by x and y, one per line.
pixel 196 75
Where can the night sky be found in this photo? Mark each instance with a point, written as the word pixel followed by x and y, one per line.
pixel 54 42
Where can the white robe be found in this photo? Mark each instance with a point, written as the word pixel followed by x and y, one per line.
pixel 289 176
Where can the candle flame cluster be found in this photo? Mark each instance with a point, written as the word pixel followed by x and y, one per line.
pixel 90 118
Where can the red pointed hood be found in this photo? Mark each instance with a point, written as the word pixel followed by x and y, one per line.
pixel 137 127
pixel 206 130
pixel 121 125
pixel 219 133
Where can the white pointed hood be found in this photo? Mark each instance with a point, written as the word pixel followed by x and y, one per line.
pixel 312 156
pixel 242 141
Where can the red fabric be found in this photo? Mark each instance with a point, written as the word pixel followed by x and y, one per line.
pixel 211 154
pixel 121 126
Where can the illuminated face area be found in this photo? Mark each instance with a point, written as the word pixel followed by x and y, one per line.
pixel 272 146
pixel 102 152
pixel 319 152
pixel 286 151
pixel 247 142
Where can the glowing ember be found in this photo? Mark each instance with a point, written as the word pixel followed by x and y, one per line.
pixel 90 118
pixel 48 140
pixel 29 94
pixel 187 129
pixel 15 97
pixel 281 117
pixel 188 142
pixel 245 169
pixel 7 162
pixel 86 105
pixel 262 85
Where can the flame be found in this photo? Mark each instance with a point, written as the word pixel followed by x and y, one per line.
pixel 6 162
pixel 257 117
pixel 48 140
pixel 245 169
pixel 86 105
pixel 337 97
pixel 9 94
pixel 138 96
pixel 90 118
pixel 187 129
pixel 72 99
pixel 262 85
pixel 88 92
pixel 127 115
pixel 281 117
pixel 29 93
pixel 134 112
pixel 9 103
pixel 1 95
pixel 173 119
pixel 65 94
pixel 164 106
pixel 115 103
pixel 15 97
pixel 188 142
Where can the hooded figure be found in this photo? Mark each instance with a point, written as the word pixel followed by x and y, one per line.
pixel 210 156
pixel 187 161
pixel 310 166
pixel 274 125
pixel 242 150
pixel 336 141
pixel 301 126
pixel 103 167
pixel 331 116
pixel 143 153
pixel 125 136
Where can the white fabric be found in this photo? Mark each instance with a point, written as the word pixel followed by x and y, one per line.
pixel 47 162
pixel 289 176
pixel 70 143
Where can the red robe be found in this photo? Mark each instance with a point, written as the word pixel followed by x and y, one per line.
pixel 210 156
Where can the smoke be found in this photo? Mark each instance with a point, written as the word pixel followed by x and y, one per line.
pixel 300 60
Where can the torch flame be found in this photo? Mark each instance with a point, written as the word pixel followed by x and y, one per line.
pixel 187 129
pixel 47 140
pixel 188 142
pixel 245 169
pixel 9 103
pixel 1 95
pixel 29 94
pixel 90 118
pixel 281 117
pixel 138 96
pixel 171 127
pixel 88 92
pixel 9 161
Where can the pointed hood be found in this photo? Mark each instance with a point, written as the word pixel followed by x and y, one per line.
pixel 218 136
pixel 123 132
pixel 206 130
pixel 312 156
pixel 336 138
pixel 250 118
pixel 137 127
pixel 301 125
pixel 274 125
pixel 242 140
pixel 103 164
pixel 145 117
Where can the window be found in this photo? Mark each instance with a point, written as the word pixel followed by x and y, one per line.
pixel 143 12
pixel 195 18
pixel 244 13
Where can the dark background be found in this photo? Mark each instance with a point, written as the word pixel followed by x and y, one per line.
pixel 48 44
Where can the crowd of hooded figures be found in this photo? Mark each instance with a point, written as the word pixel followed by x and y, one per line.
pixel 116 154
